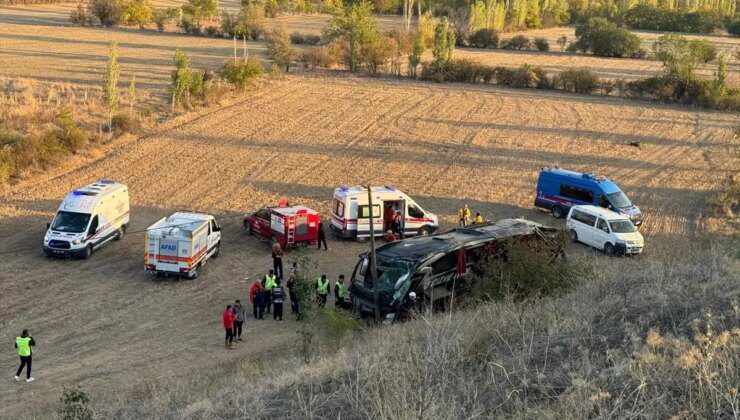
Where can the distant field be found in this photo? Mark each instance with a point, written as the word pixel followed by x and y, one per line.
pixel 38 42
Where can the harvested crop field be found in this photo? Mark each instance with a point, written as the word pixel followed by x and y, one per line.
pixel 105 325
pixel 38 42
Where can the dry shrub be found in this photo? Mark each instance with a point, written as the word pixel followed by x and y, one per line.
pixel 315 57
pixel 633 341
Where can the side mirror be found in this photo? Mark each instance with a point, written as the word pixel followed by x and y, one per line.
pixel 605 229
pixel 48 225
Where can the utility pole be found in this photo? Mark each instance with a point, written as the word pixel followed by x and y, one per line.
pixel 373 270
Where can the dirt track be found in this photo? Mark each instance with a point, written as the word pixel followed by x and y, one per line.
pixel 105 325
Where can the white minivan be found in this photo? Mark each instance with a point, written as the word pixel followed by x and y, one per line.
pixel 88 218
pixel 604 229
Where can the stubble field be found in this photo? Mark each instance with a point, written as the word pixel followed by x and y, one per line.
pixel 105 325
pixel 38 42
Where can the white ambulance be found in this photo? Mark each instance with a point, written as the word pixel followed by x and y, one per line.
pixel 181 244
pixel 88 218
pixel 351 212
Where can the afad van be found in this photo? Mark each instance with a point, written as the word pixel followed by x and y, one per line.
pixel 351 212
pixel 87 219
pixel 558 190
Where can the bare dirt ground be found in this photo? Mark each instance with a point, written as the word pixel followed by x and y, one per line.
pixel 105 325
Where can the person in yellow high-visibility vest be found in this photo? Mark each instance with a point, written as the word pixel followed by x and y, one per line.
pixel 463 215
pixel 269 282
pixel 339 292
pixel 24 344
pixel 322 290
pixel 478 218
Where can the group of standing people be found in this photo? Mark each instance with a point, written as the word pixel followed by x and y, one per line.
pixel 464 216
pixel 268 296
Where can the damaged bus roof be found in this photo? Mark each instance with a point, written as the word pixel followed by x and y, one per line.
pixel 418 248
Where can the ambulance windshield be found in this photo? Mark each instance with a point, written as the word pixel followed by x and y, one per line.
pixel 66 221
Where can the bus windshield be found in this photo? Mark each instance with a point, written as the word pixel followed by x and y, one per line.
pixel 620 200
pixel 66 221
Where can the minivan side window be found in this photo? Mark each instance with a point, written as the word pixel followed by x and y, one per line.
pixel 583 217
pixel 601 225
pixel 576 193
pixel 415 212
pixel 363 212
pixel 93 225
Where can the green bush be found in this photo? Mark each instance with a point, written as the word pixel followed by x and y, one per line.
pixel 106 11
pixel 123 123
pixel 316 57
pixel 541 44
pixel 299 38
pixel 213 31
pixel 160 16
pixel 527 270
pixel 136 12
pixel 69 134
pixel 577 80
pixel 656 19
pixel 704 50
pixel 604 38
pixel 519 42
pixel 80 16
pixel 336 325
pixel 74 405
pixel 241 72
pixel 733 26
pixel 484 38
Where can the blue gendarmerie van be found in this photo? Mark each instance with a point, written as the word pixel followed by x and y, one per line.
pixel 558 190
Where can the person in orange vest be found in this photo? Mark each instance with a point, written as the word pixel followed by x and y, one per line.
pixel 24 344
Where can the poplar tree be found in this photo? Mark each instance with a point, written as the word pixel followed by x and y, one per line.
pixel 110 82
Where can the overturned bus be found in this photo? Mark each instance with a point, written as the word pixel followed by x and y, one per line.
pixel 436 266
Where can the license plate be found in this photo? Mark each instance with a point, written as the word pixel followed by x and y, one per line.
pixel 57 251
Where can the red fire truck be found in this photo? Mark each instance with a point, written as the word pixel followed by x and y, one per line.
pixel 287 225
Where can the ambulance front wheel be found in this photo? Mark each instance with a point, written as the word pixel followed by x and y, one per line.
pixel 120 233
pixel 87 252
pixel 424 231
pixel 217 250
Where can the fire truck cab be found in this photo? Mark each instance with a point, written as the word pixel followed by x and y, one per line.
pixel 290 226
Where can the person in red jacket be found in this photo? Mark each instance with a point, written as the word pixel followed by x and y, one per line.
pixel 228 320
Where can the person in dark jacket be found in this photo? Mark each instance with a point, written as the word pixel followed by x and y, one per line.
pixel 24 344
pixel 293 293
pixel 278 297
pixel 322 237
pixel 238 310
pixel 277 260
pixel 257 297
